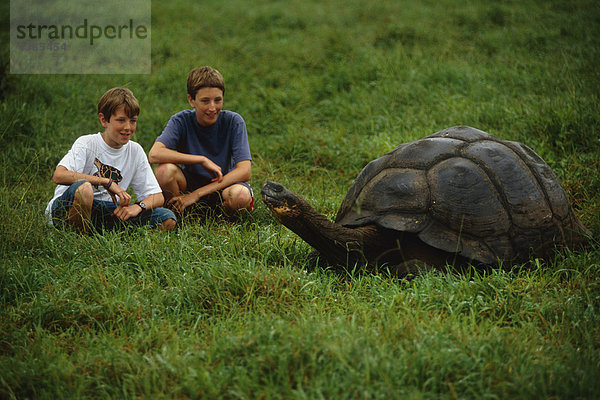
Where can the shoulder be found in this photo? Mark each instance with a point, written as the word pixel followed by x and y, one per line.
pixel 93 137
pixel 87 141
pixel 232 122
pixel 184 116
pixel 231 116
pixel 180 122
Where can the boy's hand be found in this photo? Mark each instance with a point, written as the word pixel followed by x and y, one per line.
pixel 125 212
pixel 180 203
pixel 212 169
pixel 115 190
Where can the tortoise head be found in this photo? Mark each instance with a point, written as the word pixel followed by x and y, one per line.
pixel 283 203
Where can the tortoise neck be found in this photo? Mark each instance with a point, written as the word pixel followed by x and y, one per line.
pixel 336 243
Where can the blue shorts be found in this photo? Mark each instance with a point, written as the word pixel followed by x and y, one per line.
pixel 101 217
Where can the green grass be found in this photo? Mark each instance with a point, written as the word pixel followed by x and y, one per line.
pixel 237 310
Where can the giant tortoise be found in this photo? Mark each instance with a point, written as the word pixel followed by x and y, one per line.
pixel 458 196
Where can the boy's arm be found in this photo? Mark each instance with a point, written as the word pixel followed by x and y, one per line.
pixel 133 210
pixel 241 173
pixel 63 176
pixel 160 154
pixel 154 201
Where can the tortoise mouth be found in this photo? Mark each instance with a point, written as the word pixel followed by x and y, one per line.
pixel 280 201
pixel 270 201
pixel 271 193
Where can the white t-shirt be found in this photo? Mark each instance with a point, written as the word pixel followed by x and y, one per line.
pixel 127 166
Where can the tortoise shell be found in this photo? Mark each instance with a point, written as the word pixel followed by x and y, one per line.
pixel 465 191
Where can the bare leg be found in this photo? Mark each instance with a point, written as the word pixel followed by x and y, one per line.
pixel 236 198
pixel 171 180
pixel 167 225
pixel 81 209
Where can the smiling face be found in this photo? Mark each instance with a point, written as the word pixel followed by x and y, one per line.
pixel 119 130
pixel 208 104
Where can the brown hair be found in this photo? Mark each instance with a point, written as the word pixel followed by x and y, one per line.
pixel 115 98
pixel 202 77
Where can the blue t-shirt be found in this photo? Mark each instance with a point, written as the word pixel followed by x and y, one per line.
pixel 225 142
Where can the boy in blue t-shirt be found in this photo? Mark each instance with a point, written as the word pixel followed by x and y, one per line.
pixel 203 154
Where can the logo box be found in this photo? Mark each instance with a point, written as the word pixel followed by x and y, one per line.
pixel 80 37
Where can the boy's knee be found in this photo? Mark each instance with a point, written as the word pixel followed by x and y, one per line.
pixel 168 224
pixel 237 197
pixel 166 172
pixel 84 194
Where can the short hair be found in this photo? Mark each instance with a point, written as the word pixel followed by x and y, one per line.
pixel 115 98
pixel 202 77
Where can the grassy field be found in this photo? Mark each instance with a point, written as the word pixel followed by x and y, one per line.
pixel 234 310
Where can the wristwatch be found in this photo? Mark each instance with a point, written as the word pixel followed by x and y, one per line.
pixel 141 204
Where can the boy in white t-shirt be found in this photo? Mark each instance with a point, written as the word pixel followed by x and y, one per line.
pixel 94 175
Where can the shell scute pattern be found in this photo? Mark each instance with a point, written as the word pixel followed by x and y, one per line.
pixel 514 180
pixel 463 190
